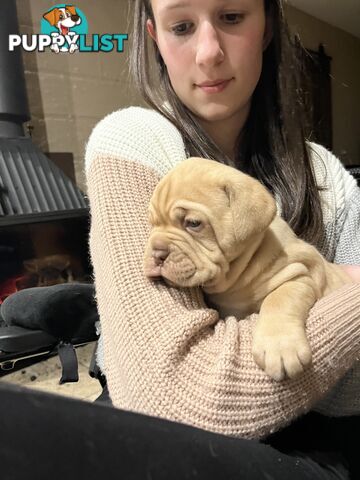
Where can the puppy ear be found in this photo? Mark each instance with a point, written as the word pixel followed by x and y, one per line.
pixel 50 17
pixel 71 9
pixel 32 265
pixel 59 261
pixel 252 207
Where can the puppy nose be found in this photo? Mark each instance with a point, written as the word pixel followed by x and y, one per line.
pixel 160 255
pixel 160 252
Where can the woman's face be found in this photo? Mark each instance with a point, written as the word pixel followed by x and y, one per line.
pixel 213 53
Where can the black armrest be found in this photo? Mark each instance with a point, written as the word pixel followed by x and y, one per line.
pixel 47 320
pixel 66 311
pixel 20 340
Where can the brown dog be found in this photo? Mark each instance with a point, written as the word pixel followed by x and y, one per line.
pixel 63 18
pixel 51 270
pixel 217 228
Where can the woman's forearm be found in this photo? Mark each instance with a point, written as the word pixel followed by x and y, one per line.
pixel 168 355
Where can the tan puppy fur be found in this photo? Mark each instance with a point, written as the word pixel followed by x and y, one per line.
pixel 217 228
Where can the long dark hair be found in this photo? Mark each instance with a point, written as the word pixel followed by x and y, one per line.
pixel 272 146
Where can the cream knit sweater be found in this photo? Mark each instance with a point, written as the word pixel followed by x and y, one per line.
pixel 165 353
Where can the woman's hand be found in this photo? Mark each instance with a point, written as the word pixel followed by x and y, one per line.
pixel 353 271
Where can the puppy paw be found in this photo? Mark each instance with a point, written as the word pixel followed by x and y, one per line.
pixel 55 48
pixel 282 354
pixel 73 48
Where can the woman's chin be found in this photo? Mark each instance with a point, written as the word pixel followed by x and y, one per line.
pixel 214 111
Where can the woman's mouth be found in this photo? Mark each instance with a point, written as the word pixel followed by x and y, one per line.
pixel 216 86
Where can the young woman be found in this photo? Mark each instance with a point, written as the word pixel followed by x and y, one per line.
pixel 220 76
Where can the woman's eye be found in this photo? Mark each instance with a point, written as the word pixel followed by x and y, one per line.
pixel 193 224
pixel 181 28
pixel 232 18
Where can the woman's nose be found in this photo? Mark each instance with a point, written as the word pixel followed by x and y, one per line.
pixel 209 50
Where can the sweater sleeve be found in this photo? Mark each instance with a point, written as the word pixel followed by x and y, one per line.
pixel 165 353
pixel 348 238
pixel 343 195
pixel 341 205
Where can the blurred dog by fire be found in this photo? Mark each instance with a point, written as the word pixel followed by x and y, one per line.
pixel 43 272
pixel 53 269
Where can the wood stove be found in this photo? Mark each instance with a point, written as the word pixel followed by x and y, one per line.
pixel 43 215
pixel 44 223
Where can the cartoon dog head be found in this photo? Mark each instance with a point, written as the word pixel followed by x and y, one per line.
pixel 63 18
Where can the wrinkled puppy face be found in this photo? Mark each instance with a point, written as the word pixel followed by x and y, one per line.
pixel 202 214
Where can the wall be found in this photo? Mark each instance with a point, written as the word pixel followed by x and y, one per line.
pixel 69 94
pixel 345 69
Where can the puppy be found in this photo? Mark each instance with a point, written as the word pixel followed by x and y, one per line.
pixel 51 270
pixel 216 227
pixel 63 19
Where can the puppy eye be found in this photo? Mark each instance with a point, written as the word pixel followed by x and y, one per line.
pixel 193 224
pixel 61 17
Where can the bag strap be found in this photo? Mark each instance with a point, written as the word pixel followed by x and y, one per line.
pixel 69 363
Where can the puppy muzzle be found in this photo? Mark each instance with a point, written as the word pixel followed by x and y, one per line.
pixel 178 263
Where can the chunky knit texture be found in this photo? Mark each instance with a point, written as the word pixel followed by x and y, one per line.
pixel 165 353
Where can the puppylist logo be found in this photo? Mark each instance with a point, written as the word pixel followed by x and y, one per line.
pixel 64 28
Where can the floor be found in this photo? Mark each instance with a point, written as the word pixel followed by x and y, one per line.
pixel 45 376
